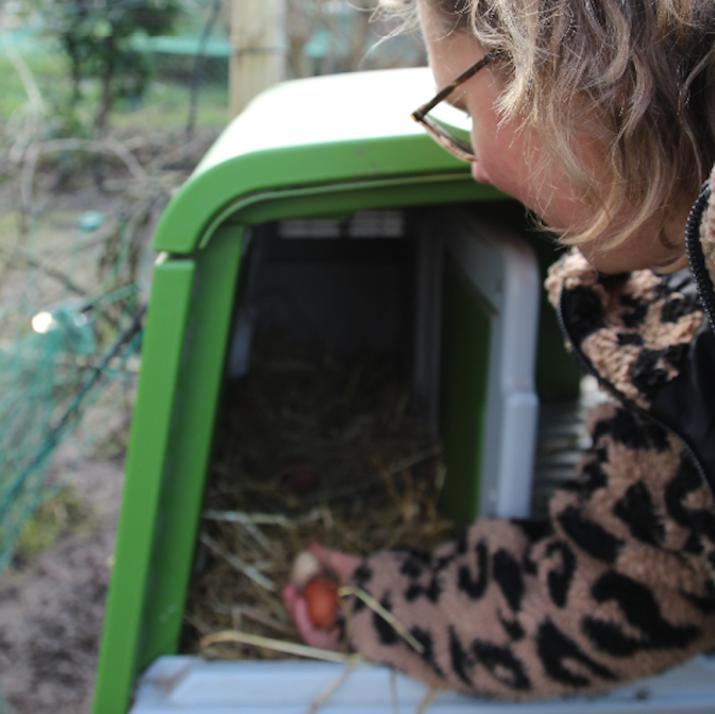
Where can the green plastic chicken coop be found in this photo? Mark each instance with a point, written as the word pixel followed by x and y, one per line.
pixel 318 159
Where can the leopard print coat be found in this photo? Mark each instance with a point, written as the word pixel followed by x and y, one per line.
pixel 619 582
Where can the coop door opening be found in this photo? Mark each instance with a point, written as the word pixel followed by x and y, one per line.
pixel 328 430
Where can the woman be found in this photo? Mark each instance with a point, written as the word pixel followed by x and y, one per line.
pixel 599 116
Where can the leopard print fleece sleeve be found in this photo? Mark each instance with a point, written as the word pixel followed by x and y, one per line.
pixel 619 583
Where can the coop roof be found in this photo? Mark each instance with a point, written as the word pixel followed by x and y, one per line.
pixel 317 147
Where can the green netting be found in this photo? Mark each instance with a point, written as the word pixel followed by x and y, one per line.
pixel 68 332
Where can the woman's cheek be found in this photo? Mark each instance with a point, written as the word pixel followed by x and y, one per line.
pixel 479 173
pixel 500 176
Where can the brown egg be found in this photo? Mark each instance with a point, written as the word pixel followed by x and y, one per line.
pixel 321 596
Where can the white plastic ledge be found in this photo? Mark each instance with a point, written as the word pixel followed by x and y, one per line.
pixel 189 684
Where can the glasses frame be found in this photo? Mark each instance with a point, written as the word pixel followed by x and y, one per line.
pixel 455 147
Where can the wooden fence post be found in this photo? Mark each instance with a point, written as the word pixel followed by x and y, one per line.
pixel 258 54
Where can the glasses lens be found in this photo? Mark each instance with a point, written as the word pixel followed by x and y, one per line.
pixel 455 139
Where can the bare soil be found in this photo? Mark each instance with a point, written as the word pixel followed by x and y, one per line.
pixel 51 609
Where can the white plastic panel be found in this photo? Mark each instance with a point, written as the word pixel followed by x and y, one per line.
pixel 190 685
pixel 503 269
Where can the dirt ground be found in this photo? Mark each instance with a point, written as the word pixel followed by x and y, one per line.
pixel 51 610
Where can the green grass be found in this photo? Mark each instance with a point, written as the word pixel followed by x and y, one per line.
pixel 48 69
pixel 165 104
pixel 63 513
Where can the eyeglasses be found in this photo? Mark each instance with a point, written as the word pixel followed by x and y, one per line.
pixel 438 132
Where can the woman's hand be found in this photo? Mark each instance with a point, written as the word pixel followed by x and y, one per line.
pixel 340 564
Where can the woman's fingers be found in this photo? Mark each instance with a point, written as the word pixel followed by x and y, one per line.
pixel 298 609
pixel 290 597
pixel 342 564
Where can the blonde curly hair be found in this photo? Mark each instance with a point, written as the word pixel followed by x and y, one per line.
pixel 640 74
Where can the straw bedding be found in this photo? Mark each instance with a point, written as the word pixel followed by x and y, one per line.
pixel 311 447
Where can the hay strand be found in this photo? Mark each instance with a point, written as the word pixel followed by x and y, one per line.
pixel 427 700
pixel 374 605
pixel 284 646
pixel 333 687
